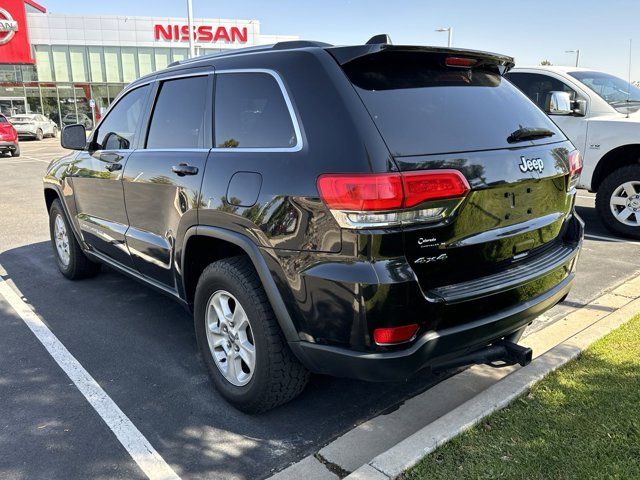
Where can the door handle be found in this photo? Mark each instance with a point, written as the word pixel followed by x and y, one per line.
pixel 112 167
pixel 183 169
pixel 111 157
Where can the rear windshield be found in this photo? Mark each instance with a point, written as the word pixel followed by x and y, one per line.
pixel 422 107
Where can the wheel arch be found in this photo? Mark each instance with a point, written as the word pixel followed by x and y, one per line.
pixel 613 160
pixel 52 193
pixel 219 243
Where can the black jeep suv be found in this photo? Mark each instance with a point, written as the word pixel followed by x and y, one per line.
pixel 364 211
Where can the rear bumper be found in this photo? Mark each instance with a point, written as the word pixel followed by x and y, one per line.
pixel 431 348
pixel 7 145
pixel 26 134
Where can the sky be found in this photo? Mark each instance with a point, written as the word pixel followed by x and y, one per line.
pixel 530 31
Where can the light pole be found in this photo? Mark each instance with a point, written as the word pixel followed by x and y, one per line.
pixel 577 52
pixel 447 29
pixel 192 50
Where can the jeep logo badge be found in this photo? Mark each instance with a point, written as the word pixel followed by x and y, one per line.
pixel 8 26
pixel 531 164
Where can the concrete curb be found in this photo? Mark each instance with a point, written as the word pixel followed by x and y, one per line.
pixel 407 453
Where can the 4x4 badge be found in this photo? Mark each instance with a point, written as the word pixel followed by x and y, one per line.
pixel 439 258
pixel 531 164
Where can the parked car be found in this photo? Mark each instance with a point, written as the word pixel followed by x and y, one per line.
pixel 34 125
pixel 8 138
pixel 600 113
pixel 342 210
pixel 72 118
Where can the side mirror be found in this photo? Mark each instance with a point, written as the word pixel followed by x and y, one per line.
pixel 74 137
pixel 580 107
pixel 558 103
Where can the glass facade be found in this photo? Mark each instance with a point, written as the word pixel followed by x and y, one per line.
pixel 66 77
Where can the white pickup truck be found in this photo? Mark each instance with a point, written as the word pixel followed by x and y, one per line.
pixel 600 113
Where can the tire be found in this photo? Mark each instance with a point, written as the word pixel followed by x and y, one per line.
pixel 54 132
pixel 16 152
pixel 39 135
pixel 77 265
pixel 613 187
pixel 277 376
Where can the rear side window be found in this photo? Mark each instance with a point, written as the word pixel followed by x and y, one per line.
pixel 251 112
pixel 3 119
pixel 422 107
pixel 118 130
pixel 178 115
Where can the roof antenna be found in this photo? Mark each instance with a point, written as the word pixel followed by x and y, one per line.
pixel 629 89
pixel 378 39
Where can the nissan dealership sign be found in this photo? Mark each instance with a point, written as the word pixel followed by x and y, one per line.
pixel 14 40
pixel 8 26
pixel 201 33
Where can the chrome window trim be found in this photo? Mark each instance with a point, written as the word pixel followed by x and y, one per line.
pixel 285 94
pixel 292 114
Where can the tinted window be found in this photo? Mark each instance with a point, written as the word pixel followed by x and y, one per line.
pixel 537 87
pixel 422 107
pixel 251 112
pixel 178 116
pixel 3 119
pixel 118 130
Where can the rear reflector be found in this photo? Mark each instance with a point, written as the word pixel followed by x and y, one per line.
pixel 390 191
pixel 393 335
pixel 460 62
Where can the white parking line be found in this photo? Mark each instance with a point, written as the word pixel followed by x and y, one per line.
pixel 142 452
pixel 588 197
pixel 610 239
pixel 35 159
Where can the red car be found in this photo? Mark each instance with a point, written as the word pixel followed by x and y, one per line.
pixel 8 138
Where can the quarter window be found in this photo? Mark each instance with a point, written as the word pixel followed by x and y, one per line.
pixel 178 116
pixel 251 112
pixel 118 130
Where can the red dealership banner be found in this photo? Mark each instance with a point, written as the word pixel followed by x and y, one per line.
pixel 14 37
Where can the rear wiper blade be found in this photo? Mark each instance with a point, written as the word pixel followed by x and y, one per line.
pixel 525 133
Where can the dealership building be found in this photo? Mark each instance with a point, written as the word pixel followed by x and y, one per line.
pixel 70 67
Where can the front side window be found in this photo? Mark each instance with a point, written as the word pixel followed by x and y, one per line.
pixel 118 130
pixel 615 91
pixel 251 112
pixel 537 87
pixel 178 116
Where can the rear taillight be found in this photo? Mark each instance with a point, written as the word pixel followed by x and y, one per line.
pixel 575 168
pixel 394 335
pixel 388 199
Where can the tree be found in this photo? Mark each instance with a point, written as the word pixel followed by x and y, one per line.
pixel 545 62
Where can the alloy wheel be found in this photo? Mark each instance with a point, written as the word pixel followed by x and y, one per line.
pixel 625 203
pixel 61 238
pixel 230 338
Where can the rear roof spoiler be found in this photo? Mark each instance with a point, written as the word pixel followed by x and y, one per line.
pixel 347 54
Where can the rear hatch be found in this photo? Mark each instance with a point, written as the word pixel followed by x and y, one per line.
pixel 453 109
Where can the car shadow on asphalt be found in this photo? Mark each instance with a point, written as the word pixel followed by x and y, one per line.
pixel 139 345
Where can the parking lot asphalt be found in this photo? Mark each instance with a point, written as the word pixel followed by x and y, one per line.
pixel 140 348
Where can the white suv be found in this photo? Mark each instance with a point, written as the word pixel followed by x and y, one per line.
pixel 600 113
